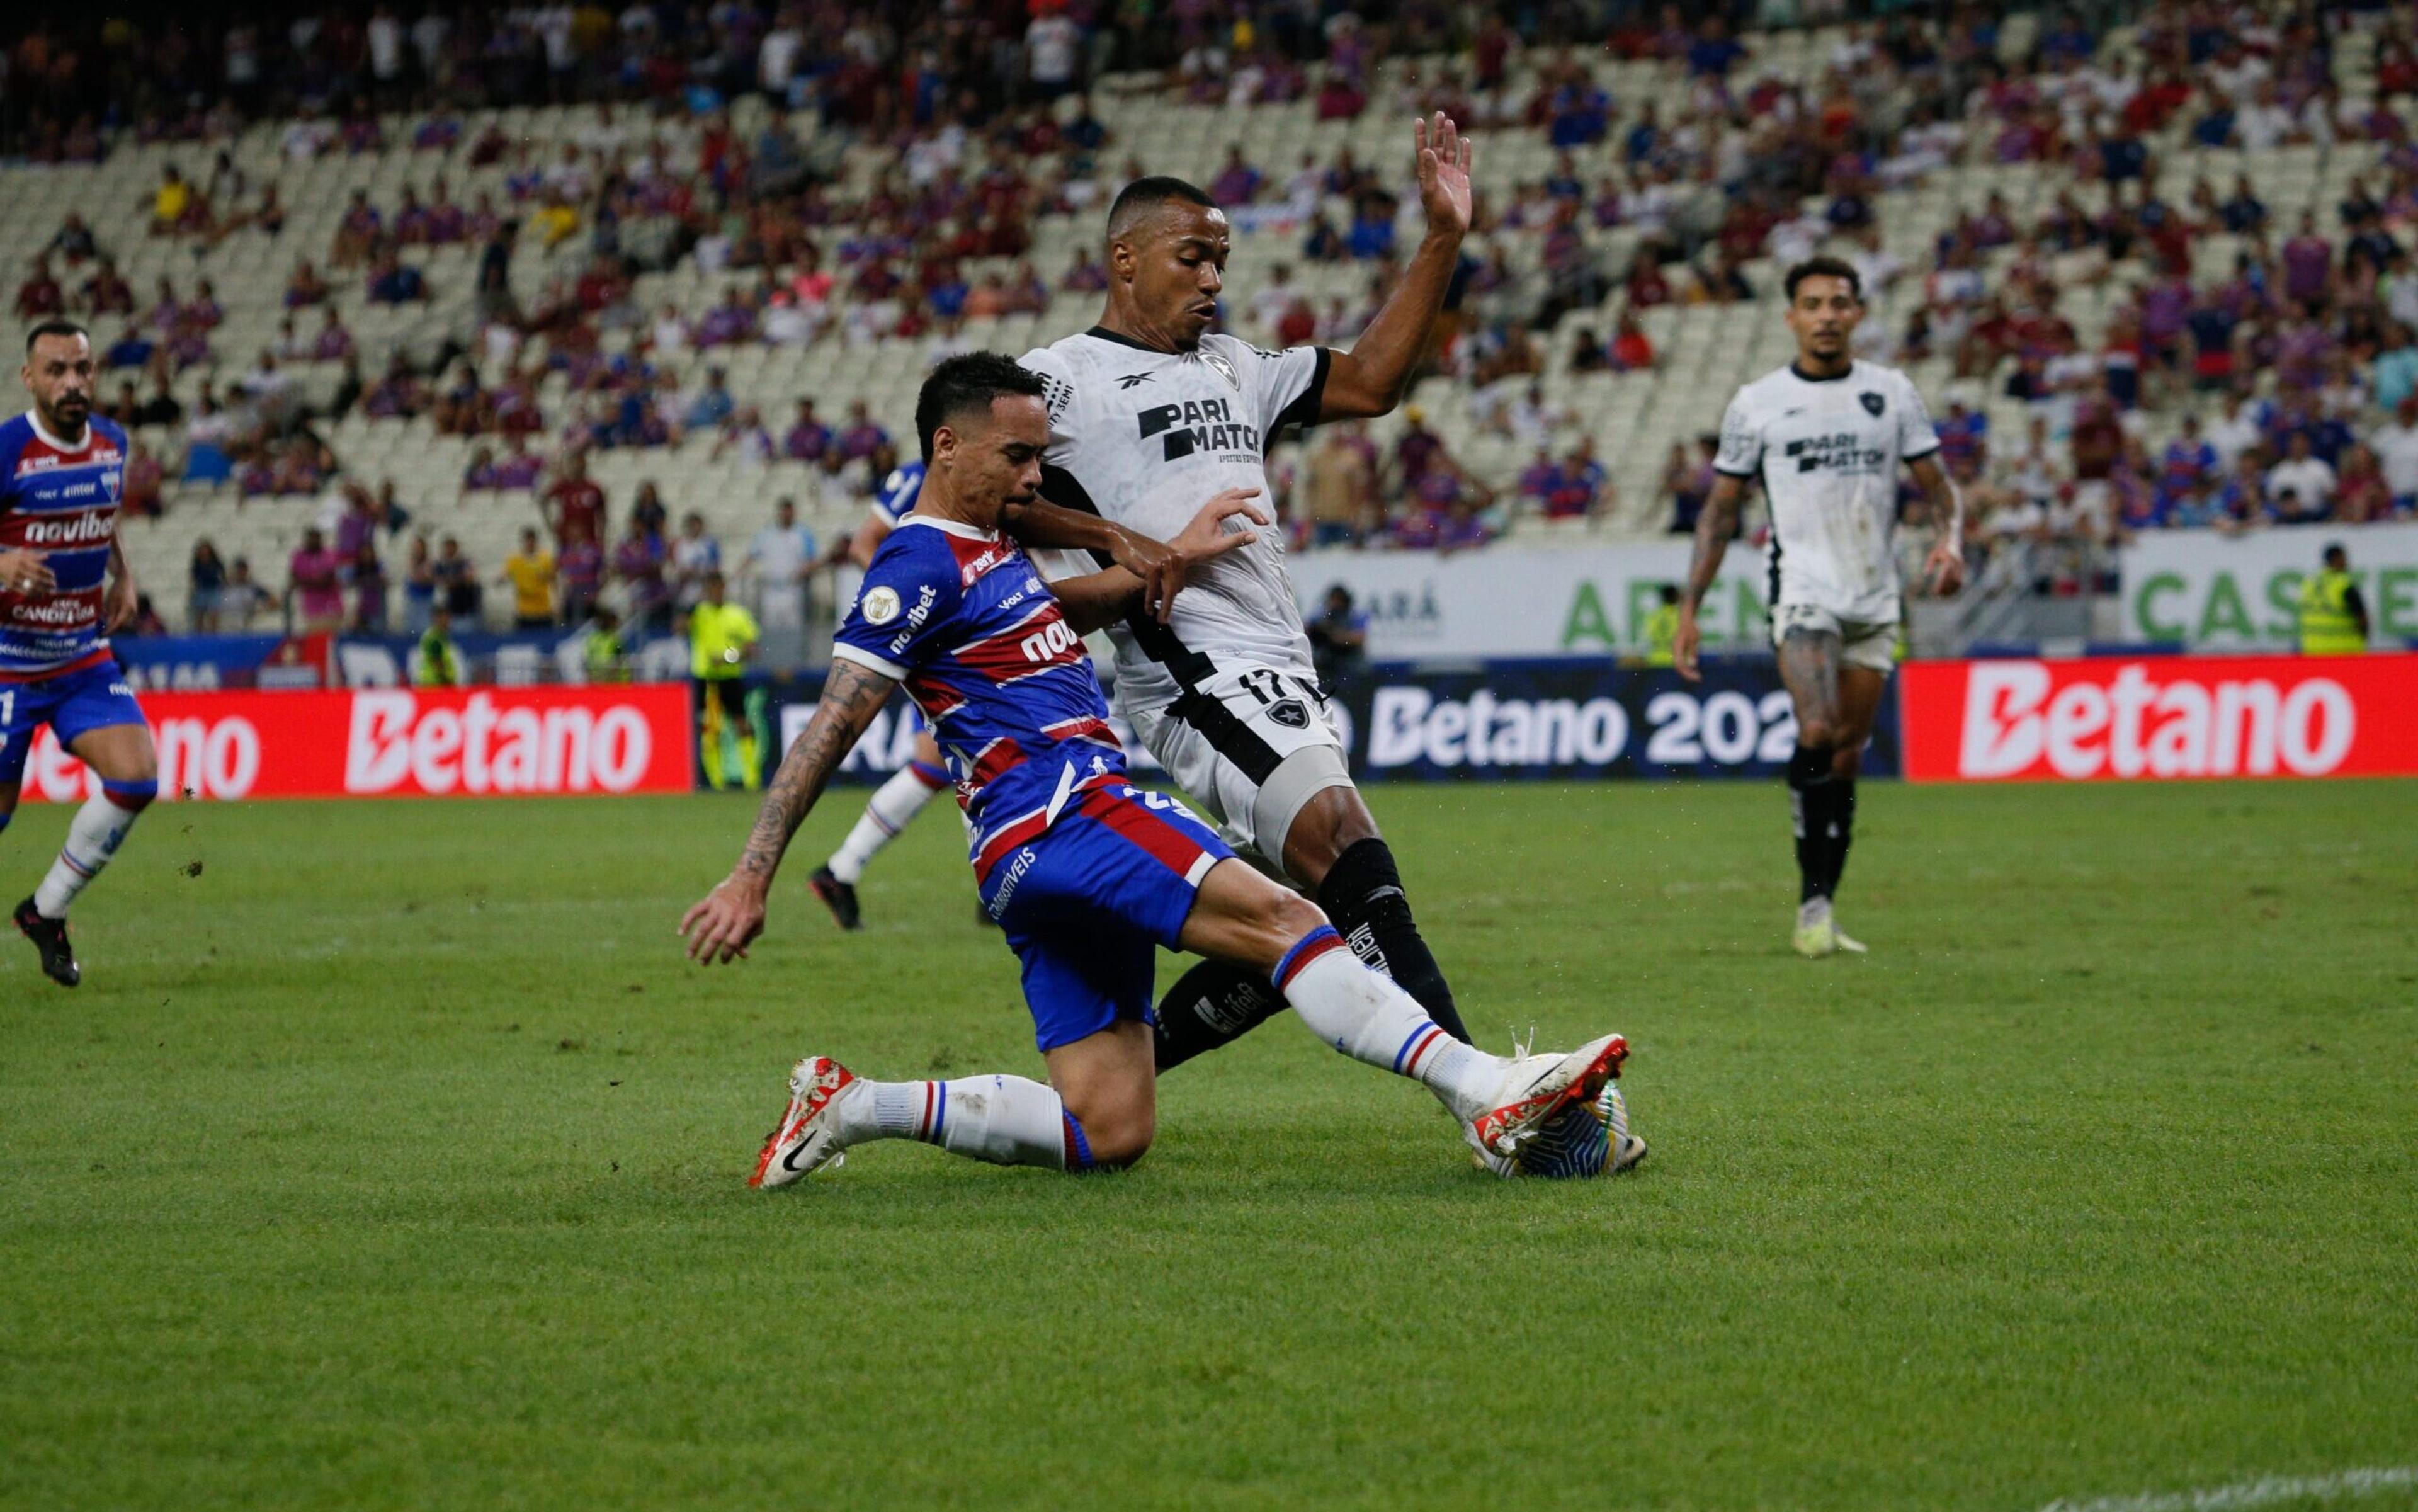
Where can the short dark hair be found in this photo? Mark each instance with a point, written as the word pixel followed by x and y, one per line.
pixel 1143 195
pixel 968 382
pixel 1825 267
pixel 56 325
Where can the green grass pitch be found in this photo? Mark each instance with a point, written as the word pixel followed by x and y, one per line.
pixel 396 1159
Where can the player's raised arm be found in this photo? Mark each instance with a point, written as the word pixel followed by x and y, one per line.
pixel 1944 565
pixel 1714 528
pixel 1098 600
pixel 720 926
pixel 1369 379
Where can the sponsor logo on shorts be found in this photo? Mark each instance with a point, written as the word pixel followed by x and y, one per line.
pixel 1016 867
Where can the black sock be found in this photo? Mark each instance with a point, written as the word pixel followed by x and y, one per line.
pixel 1843 813
pixel 1812 801
pixel 1363 899
pixel 1215 1003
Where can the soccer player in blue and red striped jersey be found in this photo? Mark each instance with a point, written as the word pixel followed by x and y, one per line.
pixel 1086 874
pixel 64 586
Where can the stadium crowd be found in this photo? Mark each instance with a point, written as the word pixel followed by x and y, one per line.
pixel 2278 391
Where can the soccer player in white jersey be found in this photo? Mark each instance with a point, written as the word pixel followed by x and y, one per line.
pixel 1150 412
pixel 1827 435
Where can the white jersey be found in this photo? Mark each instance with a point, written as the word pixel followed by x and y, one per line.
pixel 1144 439
pixel 1828 451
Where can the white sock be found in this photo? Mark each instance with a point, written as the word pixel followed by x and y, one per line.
pixel 93 837
pixel 1007 1120
pixel 1367 1018
pixel 891 808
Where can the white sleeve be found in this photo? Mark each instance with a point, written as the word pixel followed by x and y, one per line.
pixel 1916 439
pixel 1283 387
pixel 1741 448
pixel 1057 391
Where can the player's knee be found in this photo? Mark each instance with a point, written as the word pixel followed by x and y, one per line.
pixel 1116 1131
pixel 1330 823
pixel 1847 759
pixel 1817 733
pixel 1289 916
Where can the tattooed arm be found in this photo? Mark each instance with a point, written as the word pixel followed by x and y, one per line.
pixel 1718 522
pixel 720 927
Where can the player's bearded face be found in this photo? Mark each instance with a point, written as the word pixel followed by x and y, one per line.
pixel 58 374
pixel 1824 315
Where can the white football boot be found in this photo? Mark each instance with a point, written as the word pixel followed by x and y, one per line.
pixel 1581 1140
pixel 807 1139
pixel 1535 1088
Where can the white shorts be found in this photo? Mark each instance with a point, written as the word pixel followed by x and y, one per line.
pixel 1865 643
pixel 1253 746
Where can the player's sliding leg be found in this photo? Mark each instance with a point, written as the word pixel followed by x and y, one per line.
pixel 1333 847
pixel 124 758
pixel 887 814
pixel 1243 916
pixel 1103 1119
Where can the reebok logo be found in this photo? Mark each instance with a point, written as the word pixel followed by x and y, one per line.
pixel 1135 380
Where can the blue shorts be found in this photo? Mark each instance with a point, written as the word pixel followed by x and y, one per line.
pixel 73 704
pixel 1086 903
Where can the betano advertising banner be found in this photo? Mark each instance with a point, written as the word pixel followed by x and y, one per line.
pixel 1530 602
pixel 1512 721
pixel 2216 592
pixel 2132 718
pixel 402 742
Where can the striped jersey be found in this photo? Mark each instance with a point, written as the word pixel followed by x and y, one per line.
pixel 60 501
pixel 962 616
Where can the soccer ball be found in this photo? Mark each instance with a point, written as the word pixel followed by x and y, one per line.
pixel 1576 1145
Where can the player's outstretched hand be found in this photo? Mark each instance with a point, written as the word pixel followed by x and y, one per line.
pixel 1443 173
pixel 1685 642
pixel 1945 567
pixel 26 575
pixel 719 926
pixel 1205 539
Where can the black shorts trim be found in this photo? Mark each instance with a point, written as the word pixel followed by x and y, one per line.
pixel 1227 735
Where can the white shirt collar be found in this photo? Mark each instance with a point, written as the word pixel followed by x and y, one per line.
pixel 950 528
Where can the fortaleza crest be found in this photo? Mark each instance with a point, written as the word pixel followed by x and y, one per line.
pixel 1872 402
pixel 1225 369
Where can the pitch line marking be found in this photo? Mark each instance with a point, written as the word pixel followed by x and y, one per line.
pixel 2265 1491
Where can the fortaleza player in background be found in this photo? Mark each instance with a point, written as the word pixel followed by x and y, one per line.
pixel 1086 874
pixel 1827 435
pixel 1150 413
pixel 894 805
pixel 64 586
